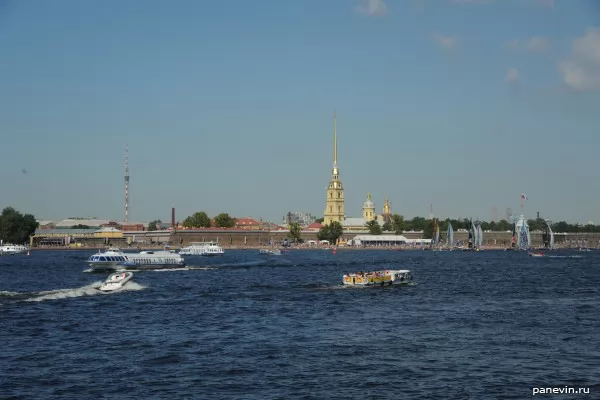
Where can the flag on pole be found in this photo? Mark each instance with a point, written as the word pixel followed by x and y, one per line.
pixel 523 196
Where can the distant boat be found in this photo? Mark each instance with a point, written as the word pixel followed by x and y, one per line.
pixel 436 232
pixel 450 236
pixel 479 241
pixel 471 240
pixel 522 237
pixel 549 237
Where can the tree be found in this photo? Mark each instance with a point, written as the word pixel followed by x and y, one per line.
pixel 295 232
pixel 388 227
pixel 331 232
pixel 153 226
pixel 428 229
pixel 320 220
pixel 398 224
pixel 223 220
pixel 197 220
pixel 373 227
pixel 80 226
pixel 15 227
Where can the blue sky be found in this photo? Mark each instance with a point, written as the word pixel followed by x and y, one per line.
pixel 227 106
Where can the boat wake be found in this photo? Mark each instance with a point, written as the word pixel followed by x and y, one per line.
pixel 87 290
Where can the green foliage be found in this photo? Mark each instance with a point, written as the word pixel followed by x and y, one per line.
pixel 80 226
pixel 223 220
pixel 153 225
pixel 15 227
pixel 428 229
pixel 197 220
pixel 388 226
pixel 320 220
pixel 397 224
pixel 331 232
pixel 294 233
pixel 373 227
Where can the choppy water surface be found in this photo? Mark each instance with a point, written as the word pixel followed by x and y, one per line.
pixel 248 326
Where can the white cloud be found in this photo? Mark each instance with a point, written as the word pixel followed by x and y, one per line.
pixel 546 3
pixel 581 70
pixel 536 44
pixel 375 8
pixel 447 42
pixel 512 75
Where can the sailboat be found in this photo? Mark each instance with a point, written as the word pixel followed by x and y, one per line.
pixel 549 237
pixel 471 240
pixel 450 236
pixel 479 242
pixel 436 233
pixel 522 235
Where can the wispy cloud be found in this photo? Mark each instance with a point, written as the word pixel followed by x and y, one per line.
pixel 549 4
pixel 512 76
pixel 373 8
pixel 447 42
pixel 536 44
pixel 581 70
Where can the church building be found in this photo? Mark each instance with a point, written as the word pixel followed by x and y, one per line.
pixel 334 206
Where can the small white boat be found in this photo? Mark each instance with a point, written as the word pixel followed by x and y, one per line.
pixel 270 252
pixel 116 281
pixel 202 249
pixel 536 254
pixel 378 278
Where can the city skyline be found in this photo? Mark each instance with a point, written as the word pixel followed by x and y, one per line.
pixel 227 108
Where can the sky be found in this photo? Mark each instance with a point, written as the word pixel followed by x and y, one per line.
pixel 227 106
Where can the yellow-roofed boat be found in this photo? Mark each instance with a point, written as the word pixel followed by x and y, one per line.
pixel 378 278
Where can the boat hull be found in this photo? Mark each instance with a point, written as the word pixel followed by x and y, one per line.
pixel 146 260
pixel 115 281
pixel 378 278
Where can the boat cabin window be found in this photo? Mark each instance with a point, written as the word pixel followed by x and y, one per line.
pixel 102 259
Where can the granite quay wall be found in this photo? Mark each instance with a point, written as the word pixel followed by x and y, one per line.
pixel 241 237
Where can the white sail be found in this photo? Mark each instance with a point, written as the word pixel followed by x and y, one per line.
pixel 551 234
pixel 450 236
pixel 523 237
pixel 479 236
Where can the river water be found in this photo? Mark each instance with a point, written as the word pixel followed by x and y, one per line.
pixel 486 325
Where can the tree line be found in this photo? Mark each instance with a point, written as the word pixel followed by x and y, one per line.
pixel 16 228
pixel 200 220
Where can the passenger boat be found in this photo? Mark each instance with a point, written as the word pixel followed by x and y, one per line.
pixel 12 249
pixel 270 252
pixel 115 259
pixel 378 278
pixel 116 281
pixel 202 249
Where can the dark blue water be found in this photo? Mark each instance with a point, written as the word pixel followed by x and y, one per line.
pixel 487 325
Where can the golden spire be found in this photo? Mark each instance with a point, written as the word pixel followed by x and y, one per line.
pixel 334 139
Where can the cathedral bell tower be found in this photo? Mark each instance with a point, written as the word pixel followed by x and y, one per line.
pixel 334 206
pixel 387 210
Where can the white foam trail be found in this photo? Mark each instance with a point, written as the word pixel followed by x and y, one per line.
pixel 88 290
pixel 7 293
